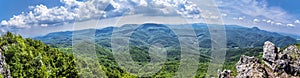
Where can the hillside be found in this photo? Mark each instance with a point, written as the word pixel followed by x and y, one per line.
pixel 236 36
pixel 26 57
pixel 31 58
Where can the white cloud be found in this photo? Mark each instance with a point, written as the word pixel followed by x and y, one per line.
pixel 254 8
pixel 258 9
pixel 269 21
pixel 238 18
pixel 224 15
pixel 290 25
pixel 278 24
pixel 241 18
pixel 4 23
pixel 41 15
pixel 297 22
pixel 272 23
pixel 256 20
pixel 233 11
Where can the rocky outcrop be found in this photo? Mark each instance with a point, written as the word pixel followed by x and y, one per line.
pixel 276 63
pixel 225 74
pixel 250 67
pixel 270 53
pixel 287 61
pixel 4 70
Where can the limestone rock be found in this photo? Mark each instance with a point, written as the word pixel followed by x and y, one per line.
pixel 270 52
pixel 292 57
pixel 225 74
pixel 4 70
pixel 250 67
pixel 285 64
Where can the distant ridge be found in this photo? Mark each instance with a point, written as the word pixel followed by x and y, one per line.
pixel 237 36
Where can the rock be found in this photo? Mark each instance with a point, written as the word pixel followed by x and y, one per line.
pixel 250 67
pixel 225 74
pixel 270 52
pixel 285 64
pixel 4 70
pixel 291 49
pixel 292 57
pixel 287 61
pixel 280 66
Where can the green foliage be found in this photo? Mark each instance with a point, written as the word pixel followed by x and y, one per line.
pixel 298 45
pixel 32 58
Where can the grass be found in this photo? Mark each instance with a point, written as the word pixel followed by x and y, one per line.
pixel 298 45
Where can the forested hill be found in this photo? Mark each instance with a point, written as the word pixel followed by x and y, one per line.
pixel 236 36
pixel 31 58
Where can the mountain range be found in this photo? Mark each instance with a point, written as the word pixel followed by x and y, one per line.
pixel 150 33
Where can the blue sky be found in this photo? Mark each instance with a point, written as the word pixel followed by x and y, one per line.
pixel 15 7
pixel 39 17
pixel 291 6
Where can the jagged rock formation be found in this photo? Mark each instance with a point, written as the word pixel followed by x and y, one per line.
pixel 276 64
pixel 225 74
pixel 250 67
pixel 4 70
pixel 287 61
pixel 290 58
pixel 270 52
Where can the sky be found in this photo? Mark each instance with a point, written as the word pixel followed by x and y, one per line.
pixel 32 18
pixel 291 6
pixel 9 8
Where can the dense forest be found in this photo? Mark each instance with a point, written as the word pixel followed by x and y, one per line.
pixel 33 58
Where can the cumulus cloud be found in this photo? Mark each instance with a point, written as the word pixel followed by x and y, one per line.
pixel 278 24
pixel 290 25
pixel 258 9
pixel 238 18
pixel 256 20
pixel 241 18
pixel 270 22
pixel 254 8
pixel 41 15
pixel 297 22
pixel 224 14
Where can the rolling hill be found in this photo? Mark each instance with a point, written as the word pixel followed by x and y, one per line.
pixel 149 33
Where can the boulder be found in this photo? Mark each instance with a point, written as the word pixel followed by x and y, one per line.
pixel 285 64
pixel 292 57
pixel 225 74
pixel 270 52
pixel 250 67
